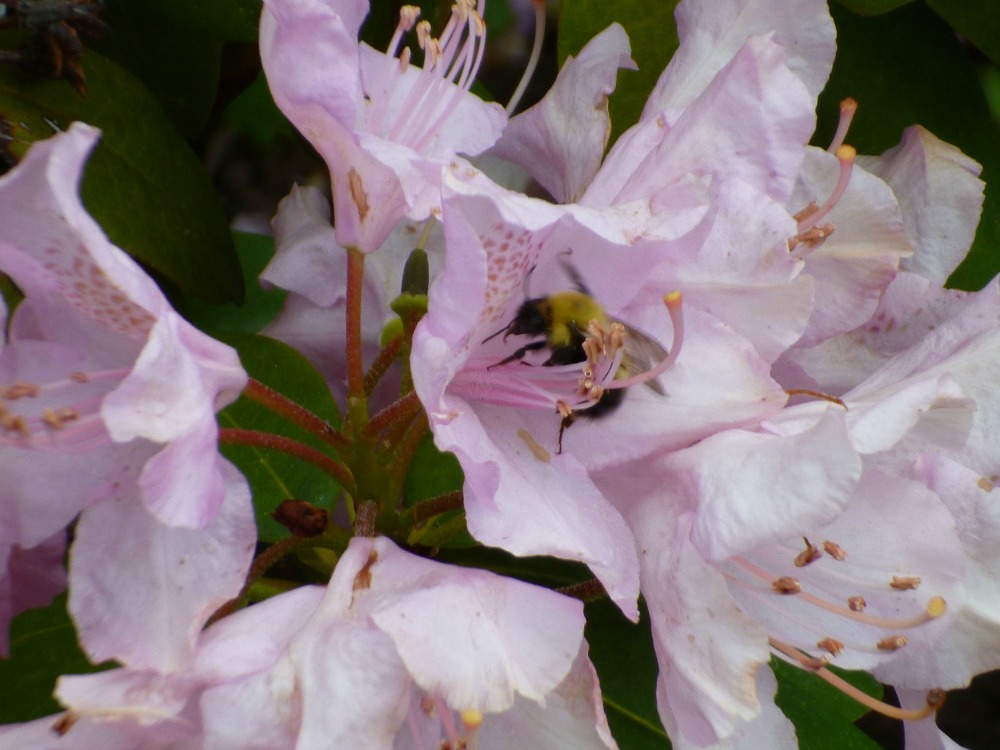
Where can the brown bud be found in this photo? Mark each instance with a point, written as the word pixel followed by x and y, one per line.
pixel 301 518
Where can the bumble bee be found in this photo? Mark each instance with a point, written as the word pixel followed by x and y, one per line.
pixel 561 319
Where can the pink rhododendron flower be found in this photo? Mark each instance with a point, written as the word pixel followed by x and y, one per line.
pixel 664 212
pixel 397 651
pixel 109 401
pixel 384 125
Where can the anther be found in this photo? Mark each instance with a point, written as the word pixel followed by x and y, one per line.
pixel 892 643
pixel 834 550
pixel 810 554
pixel 857 603
pixel 786 585
pixel 832 645
pixel 905 583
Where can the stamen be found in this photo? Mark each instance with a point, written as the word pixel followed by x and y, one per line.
pixel 673 303
pixel 847 109
pixel 905 583
pixel 935 698
pixel 789 586
pixel 816 394
pixel 846 156
pixel 809 555
pixel 536 53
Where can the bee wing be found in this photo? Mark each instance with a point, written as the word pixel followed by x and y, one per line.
pixel 642 353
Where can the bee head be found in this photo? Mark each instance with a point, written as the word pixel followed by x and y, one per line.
pixel 532 319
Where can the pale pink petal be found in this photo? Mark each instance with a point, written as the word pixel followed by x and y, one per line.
pixel 711 32
pixel 129 696
pixel 923 734
pixel 88 734
pixel 751 123
pixel 708 650
pixel 853 265
pixel 141 591
pixel 173 385
pixel 940 194
pixel 750 486
pixel 354 688
pixel 572 717
pixel 770 728
pixel 55 246
pixel 972 644
pixel 464 634
pixel 560 141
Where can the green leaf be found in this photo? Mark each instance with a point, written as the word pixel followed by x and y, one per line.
pixel 179 65
pixel 623 653
pixel 884 63
pixel 432 473
pixel 823 716
pixel 872 7
pixel 232 20
pixel 254 114
pixel 259 307
pixel 976 20
pixel 143 184
pixel 43 646
pixel 275 476
pixel 652 34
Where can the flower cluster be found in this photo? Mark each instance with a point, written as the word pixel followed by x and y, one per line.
pixel 716 366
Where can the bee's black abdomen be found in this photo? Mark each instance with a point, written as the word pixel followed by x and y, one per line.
pixel 610 400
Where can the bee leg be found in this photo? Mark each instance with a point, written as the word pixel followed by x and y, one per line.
pixel 519 354
pixel 567 420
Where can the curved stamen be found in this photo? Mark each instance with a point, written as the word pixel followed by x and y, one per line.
pixel 533 58
pixel 846 156
pixel 935 698
pixel 934 608
pixel 673 303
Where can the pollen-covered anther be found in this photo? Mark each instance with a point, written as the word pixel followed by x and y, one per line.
pixel 892 643
pixel 786 585
pixel 56 418
pixel 856 603
pixel 79 377
pixel 563 408
pixel 15 423
pixel 408 15
pixel 19 389
pixel 834 550
pixel 905 583
pixel 812 237
pixel 832 645
pixel 809 555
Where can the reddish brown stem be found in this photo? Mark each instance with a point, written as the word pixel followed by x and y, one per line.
pixel 295 413
pixel 260 565
pixel 381 364
pixel 293 447
pixel 400 411
pixel 355 279
pixel 427 509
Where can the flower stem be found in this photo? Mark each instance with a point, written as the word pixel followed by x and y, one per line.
pixel 268 440
pixel 427 509
pixel 381 364
pixel 295 413
pixel 355 279
pixel 402 410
